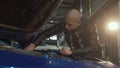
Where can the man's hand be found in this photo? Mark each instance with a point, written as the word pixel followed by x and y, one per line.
pixel 65 51
pixel 30 47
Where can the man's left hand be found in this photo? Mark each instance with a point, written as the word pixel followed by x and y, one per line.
pixel 65 51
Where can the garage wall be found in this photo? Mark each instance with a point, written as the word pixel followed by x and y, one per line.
pixel 100 16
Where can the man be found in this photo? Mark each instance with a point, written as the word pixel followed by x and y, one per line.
pixel 81 39
pixel 72 23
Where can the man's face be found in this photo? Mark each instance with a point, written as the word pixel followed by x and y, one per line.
pixel 72 20
pixel 71 25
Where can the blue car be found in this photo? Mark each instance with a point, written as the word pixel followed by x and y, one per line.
pixel 16 58
pixel 20 22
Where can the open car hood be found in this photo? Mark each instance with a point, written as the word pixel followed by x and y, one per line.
pixel 19 19
pixel 25 15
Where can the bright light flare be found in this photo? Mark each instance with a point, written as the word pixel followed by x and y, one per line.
pixel 113 26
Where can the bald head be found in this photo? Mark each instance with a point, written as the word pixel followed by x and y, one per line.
pixel 72 20
pixel 73 15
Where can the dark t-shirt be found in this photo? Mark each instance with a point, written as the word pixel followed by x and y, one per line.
pixel 84 41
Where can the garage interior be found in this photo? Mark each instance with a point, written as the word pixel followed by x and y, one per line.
pixel 98 12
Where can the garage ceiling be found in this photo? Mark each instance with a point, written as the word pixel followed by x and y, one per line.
pixel 87 7
pixel 60 12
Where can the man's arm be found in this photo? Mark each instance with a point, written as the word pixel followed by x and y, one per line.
pixel 45 34
pixel 49 32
